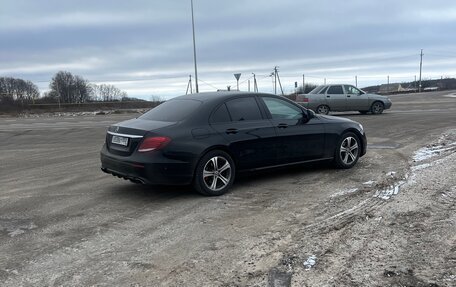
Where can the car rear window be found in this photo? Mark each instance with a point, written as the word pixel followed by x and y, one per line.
pixel 244 109
pixel 172 110
pixel 335 90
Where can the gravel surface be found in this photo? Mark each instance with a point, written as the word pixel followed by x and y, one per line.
pixel 389 221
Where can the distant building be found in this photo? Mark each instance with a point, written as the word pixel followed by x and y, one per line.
pixel 395 88
pixel 391 88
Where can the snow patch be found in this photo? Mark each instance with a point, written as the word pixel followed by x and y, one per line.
pixel 446 143
pixel 310 262
pixel 428 152
pixel 369 183
pixel 421 166
pixel 391 174
pixel 391 190
pixel 344 192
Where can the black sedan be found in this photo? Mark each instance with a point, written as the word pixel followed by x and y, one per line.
pixel 205 139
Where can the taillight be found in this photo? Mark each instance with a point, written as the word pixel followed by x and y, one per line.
pixel 305 100
pixel 153 143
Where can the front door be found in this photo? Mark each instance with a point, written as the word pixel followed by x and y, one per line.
pixel 300 139
pixel 356 99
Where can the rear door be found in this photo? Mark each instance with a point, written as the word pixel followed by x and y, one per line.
pixel 336 98
pixel 356 99
pixel 300 139
pixel 251 136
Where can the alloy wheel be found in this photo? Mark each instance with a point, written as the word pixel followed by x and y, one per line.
pixel 217 173
pixel 323 110
pixel 349 150
pixel 377 108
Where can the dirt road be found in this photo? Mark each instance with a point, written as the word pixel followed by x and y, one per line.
pixel 387 222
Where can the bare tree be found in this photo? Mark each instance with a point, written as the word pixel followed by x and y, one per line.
pixel 17 90
pixel 107 93
pixel 69 88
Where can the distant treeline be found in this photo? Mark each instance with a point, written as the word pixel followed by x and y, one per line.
pixel 65 88
pixel 441 84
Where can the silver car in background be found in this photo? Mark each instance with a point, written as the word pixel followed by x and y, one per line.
pixel 341 98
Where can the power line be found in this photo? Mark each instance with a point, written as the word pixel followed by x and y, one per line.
pixel 210 85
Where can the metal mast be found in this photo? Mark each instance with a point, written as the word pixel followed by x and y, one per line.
pixel 194 50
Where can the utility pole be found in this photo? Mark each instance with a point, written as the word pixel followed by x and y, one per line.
pixel 275 80
pixel 189 85
pixel 414 84
pixel 194 50
pixel 421 67
pixel 280 84
pixel 356 81
pixel 388 83
pixel 303 84
pixel 255 86
pixel 249 85
pixel 325 82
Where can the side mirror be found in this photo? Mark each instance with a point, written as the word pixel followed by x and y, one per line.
pixel 307 115
pixel 310 114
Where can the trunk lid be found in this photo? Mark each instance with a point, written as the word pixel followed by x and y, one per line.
pixel 123 138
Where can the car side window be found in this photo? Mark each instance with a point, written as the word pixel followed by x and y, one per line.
pixel 323 90
pixel 352 90
pixel 220 115
pixel 335 90
pixel 281 109
pixel 244 109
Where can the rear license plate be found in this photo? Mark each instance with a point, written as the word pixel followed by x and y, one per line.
pixel 119 140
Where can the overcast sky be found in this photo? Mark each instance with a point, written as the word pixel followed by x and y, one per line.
pixel 145 47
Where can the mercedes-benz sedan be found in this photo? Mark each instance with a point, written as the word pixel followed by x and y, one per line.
pixel 205 139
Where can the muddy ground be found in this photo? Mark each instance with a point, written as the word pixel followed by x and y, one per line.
pixel 389 221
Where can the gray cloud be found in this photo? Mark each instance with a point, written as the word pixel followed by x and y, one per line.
pixel 145 47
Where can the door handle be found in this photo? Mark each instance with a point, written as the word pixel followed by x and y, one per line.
pixel 231 131
pixel 348 96
pixel 282 126
pixel 328 96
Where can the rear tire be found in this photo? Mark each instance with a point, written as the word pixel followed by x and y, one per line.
pixel 348 150
pixel 322 109
pixel 214 173
pixel 377 108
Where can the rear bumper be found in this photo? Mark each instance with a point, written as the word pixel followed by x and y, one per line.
pixel 151 168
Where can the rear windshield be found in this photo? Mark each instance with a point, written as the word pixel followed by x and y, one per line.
pixel 172 111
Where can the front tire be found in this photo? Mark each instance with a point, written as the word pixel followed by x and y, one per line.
pixel 347 151
pixel 214 174
pixel 377 108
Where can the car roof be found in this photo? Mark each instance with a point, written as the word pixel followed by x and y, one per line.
pixel 214 96
pixel 328 85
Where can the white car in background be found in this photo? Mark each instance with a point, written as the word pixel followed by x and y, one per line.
pixel 341 98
